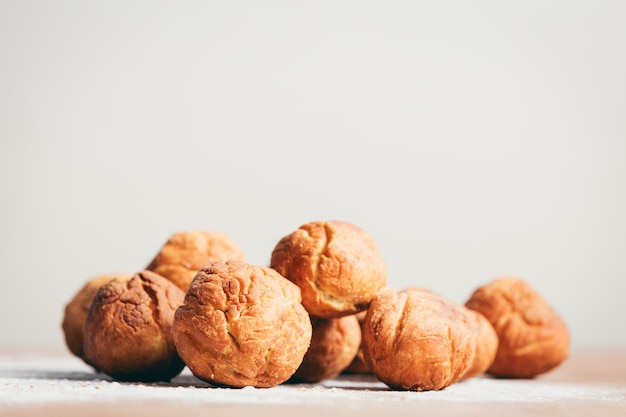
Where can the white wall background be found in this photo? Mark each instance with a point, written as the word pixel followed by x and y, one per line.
pixel 471 139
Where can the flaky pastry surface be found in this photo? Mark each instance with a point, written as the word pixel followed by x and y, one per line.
pixel 187 252
pixel 334 344
pixel 486 344
pixel 417 340
pixel 533 338
pixel 128 328
pixel 242 325
pixel 76 309
pixel 337 266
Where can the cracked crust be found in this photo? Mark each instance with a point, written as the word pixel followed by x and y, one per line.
pixel 186 253
pixel 242 325
pixel 417 340
pixel 334 345
pixel 533 339
pixel 336 264
pixel 128 328
pixel 76 309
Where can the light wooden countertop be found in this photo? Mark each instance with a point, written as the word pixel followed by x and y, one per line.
pixel 591 382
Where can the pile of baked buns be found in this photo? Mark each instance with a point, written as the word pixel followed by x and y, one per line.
pixel 321 307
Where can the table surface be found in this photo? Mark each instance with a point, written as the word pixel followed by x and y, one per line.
pixel 589 383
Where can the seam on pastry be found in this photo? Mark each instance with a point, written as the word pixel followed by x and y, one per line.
pixel 230 334
pixel 123 298
pixel 451 354
pixel 513 310
pixel 533 346
pixel 151 293
pixel 267 358
pixel 318 261
pixel 400 321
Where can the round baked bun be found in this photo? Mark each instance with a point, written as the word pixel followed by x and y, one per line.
pixel 128 329
pixel 187 252
pixel 242 325
pixel 486 344
pixel 334 345
pixel 336 264
pixel 76 309
pixel 358 364
pixel 417 340
pixel 533 339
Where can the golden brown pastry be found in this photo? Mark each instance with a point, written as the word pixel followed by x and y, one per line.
pixel 358 364
pixel 334 344
pixel 76 311
pixel 533 339
pixel 185 253
pixel 336 265
pixel 486 344
pixel 417 340
pixel 242 325
pixel 128 328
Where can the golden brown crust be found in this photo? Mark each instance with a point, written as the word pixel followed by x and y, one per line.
pixel 185 253
pixel 533 339
pixel 358 364
pixel 336 265
pixel 242 325
pixel 334 344
pixel 128 328
pixel 486 344
pixel 417 340
pixel 76 309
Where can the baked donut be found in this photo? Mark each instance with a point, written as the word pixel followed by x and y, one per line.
pixel 187 252
pixel 533 339
pixel 336 265
pixel 76 309
pixel 242 325
pixel 128 329
pixel 486 344
pixel 417 340
pixel 334 345
pixel 359 365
